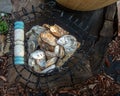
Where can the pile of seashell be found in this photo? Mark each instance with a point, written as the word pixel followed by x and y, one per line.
pixel 49 47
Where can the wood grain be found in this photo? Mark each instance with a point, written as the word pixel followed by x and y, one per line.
pixel 85 5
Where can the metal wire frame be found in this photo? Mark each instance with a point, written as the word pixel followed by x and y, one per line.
pixel 51 16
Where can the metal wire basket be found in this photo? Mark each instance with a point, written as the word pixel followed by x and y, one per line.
pixel 70 21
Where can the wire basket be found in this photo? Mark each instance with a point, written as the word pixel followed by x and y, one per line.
pixel 70 21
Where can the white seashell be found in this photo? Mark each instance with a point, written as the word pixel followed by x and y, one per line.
pixel 38 54
pixel 48 69
pixel 19 50
pixel 69 43
pixel 35 30
pixel 41 63
pixel 19 35
pixel 57 49
pixel 51 61
pixel 31 62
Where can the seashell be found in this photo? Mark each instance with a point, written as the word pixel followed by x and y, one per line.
pixel 58 31
pixel 51 61
pixel 60 62
pixel 46 47
pixel 49 69
pixel 49 54
pixel 48 38
pixel 31 62
pixel 35 30
pixel 46 26
pixel 62 52
pixel 31 46
pixel 56 50
pixel 38 54
pixel 37 68
pixel 32 43
pixel 41 62
pixel 69 43
pixel 19 50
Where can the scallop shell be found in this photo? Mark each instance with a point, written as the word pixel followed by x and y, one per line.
pixel 56 50
pixel 69 43
pixel 57 31
pixel 51 61
pixel 48 38
pixel 35 30
pixel 38 54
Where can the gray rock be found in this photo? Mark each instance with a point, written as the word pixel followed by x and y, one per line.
pixel 5 6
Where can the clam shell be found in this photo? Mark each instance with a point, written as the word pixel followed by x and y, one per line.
pixel 56 50
pixel 38 54
pixel 48 38
pixel 48 69
pixel 57 31
pixel 49 54
pixel 51 61
pixel 35 30
pixel 69 43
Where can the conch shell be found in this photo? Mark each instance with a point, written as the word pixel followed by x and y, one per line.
pixel 57 31
pixel 48 38
pixel 69 43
